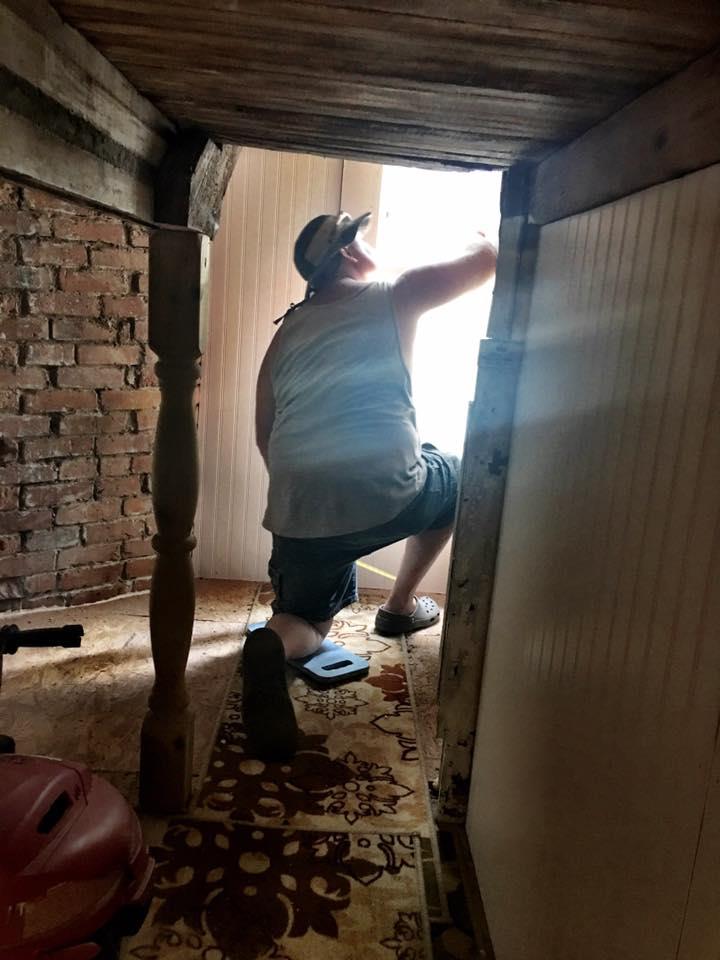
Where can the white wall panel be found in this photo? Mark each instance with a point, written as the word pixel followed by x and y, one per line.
pixel 601 691
pixel 270 198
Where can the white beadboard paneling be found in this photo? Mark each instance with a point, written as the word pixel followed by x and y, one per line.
pixel 252 281
pixel 601 691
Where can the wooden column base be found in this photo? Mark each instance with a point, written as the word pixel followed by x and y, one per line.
pixel 166 760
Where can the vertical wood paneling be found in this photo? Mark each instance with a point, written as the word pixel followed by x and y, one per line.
pixel 269 199
pixel 601 692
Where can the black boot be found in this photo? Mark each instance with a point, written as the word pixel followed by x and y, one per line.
pixel 267 709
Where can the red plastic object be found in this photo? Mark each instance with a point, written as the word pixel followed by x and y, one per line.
pixel 73 862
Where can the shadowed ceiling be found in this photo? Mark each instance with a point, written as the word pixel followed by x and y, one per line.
pixel 464 82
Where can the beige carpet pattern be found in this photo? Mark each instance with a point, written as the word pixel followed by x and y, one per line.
pixel 88 704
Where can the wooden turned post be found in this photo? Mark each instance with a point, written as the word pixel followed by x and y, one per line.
pixel 178 272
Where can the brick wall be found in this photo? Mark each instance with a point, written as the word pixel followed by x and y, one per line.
pixel 78 402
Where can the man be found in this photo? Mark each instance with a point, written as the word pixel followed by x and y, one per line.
pixel 335 424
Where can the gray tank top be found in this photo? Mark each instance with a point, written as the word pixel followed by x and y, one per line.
pixel 344 453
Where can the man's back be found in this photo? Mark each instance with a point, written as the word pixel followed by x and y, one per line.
pixel 344 453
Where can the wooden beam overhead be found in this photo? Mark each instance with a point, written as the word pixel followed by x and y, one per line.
pixel 467 82
pixel 668 132
pixel 191 182
pixel 70 120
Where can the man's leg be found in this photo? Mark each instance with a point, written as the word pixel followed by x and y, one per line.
pixel 421 551
pixel 300 638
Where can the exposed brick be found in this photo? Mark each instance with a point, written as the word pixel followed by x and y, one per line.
pixel 119 486
pixel 146 419
pixel 130 306
pixel 137 505
pixel 56 493
pixel 23 223
pixel 142 584
pixel 11 588
pixel 140 332
pixel 9 354
pixel 87 228
pixel 32 328
pixel 93 281
pixel 48 251
pixel 9 449
pixel 9 194
pixel 96 377
pixel 9 497
pixel 50 354
pixel 81 556
pixel 142 464
pixel 139 236
pixel 64 329
pixel 42 200
pixel 65 304
pixel 77 577
pixel 9 305
pixel 115 466
pixel 90 511
pixel 14 521
pixel 140 567
pixel 125 443
pixel 28 473
pixel 40 583
pixel 82 424
pixel 9 401
pixel 138 548
pixel 25 426
pixel 95 594
pixel 54 539
pixel 140 283
pixel 78 469
pixel 32 603
pixel 130 399
pixel 20 276
pixel 124 529
pixel 25 564
pixel 101 354
pixel 148 376
pixel 10 545
pixel 31 378
pixel 119 259
pixel 60 401
pixel 52 448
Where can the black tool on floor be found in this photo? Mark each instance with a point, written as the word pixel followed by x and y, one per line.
pixel 12 638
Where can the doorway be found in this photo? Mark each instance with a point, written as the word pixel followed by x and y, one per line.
pixel 270 197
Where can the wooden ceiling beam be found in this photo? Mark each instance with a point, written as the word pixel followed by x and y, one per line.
pixel 668 132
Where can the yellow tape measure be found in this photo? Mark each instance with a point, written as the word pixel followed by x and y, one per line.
pixel 372 569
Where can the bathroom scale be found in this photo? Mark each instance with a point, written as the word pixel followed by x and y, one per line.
pixel 330 664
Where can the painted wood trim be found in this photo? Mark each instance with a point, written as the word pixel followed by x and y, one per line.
pixel 667 132
pixel 470 585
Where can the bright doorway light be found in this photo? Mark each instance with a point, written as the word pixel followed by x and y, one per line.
pixel 426 216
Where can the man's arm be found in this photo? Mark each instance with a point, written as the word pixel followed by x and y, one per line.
pixel 423 288
pixel 265 401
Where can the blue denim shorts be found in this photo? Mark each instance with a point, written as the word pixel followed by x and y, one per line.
pixel 315 578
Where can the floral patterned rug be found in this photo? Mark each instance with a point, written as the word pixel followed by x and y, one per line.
pixel 324 857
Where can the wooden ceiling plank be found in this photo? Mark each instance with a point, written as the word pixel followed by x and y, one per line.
pixel 590 21
pixel 530 76
pixel 343 46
